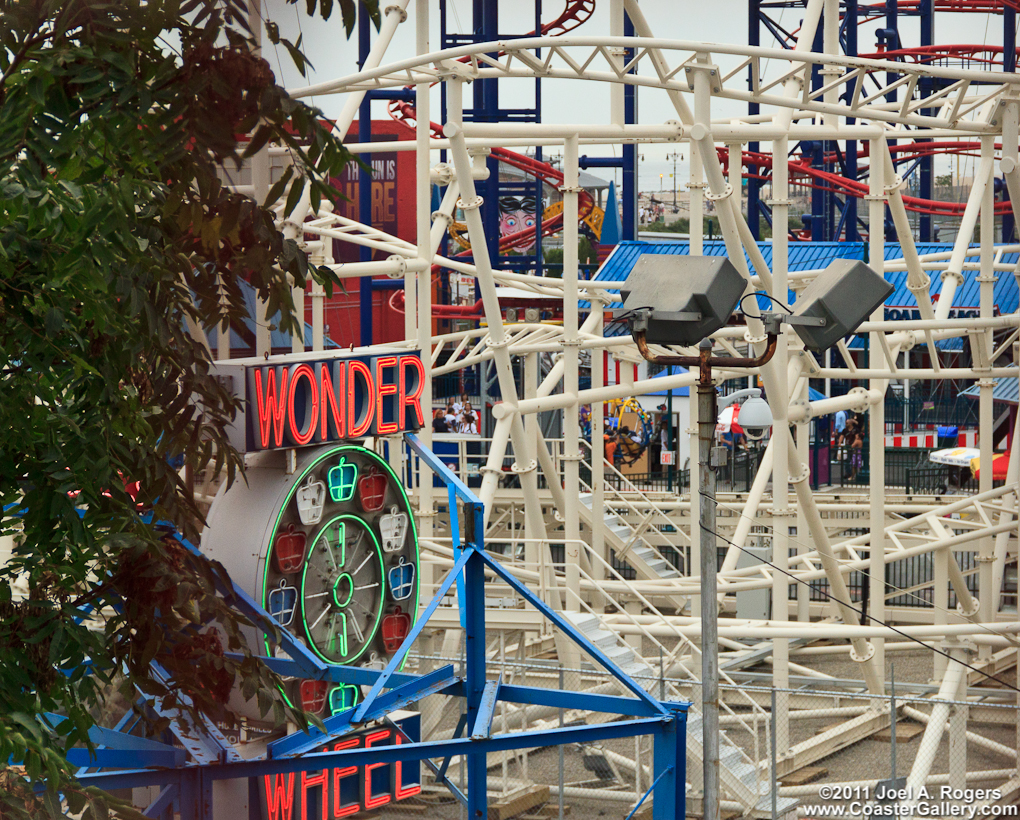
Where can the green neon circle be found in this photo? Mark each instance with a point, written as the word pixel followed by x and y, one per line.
pixel 381 464
pixel 350 590
pixel 376 617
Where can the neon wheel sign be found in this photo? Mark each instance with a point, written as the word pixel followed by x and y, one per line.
pixel 342 561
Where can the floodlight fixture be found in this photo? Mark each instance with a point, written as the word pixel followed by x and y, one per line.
pixel 679 300
pixel 843 295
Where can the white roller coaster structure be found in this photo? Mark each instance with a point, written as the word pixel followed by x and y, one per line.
pixel 690 78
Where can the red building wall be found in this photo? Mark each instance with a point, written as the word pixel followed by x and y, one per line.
pixel 393 211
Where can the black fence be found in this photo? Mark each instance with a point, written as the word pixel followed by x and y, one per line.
pixel 662 481
pixel 918 412
pixel 935 479
pixel 906 574
pixel 846 471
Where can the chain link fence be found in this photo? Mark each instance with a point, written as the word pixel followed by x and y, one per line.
pixel 833 750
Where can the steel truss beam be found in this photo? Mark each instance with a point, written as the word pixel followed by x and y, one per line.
pixel 211 758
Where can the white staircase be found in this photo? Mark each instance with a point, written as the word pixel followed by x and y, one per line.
pixel 631 546
pixel 738 774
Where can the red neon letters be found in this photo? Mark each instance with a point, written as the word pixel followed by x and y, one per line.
pixel 348 789
pixel 324 401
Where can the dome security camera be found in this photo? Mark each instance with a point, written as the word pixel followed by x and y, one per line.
pixel 755 418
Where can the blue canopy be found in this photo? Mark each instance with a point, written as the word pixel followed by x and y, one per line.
pixel 674 370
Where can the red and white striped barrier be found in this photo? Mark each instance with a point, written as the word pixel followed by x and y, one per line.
pixel 968 438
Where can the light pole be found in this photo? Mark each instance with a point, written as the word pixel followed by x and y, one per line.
pixel 675 155
pixel 681 300
pixel 707 412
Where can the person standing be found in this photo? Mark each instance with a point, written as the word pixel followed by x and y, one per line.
pixel 439 421
pixel 856 453
pixel 468 420
pixel 840 426
pixel 609 445
pixel 451 417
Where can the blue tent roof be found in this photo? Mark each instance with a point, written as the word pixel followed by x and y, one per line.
pixel 1006 390
pixel 674 370
pixel 813 255
pixel 612 229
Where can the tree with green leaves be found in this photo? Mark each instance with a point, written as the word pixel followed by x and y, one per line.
pixel 119 248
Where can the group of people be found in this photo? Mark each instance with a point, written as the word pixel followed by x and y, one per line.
pixel 457 417
pixel 629 443
pixel 849 440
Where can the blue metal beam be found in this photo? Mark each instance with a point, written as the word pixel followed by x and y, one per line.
pixel 446 475
pixel 125 758
pixel 393 754
pixel 457 732
pixel 435 682
pixel 574 634
pixel 412 636
pixel 669 767
pixel 440 773
pixel 482 727
pixel 473 604
pixel 610 704
pixel 163 805
pixel 357 675
pixel 118 749
pixel 203 740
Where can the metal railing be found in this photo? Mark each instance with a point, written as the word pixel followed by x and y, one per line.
pixel 918 412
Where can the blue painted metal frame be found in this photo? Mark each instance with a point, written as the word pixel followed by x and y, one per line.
pixel 187 788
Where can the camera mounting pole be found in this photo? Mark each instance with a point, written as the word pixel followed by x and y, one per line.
pixel 709 550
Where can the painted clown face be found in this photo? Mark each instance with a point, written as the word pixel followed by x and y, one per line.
pixel 517 214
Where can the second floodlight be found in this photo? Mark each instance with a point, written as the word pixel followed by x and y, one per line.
pixel 843 295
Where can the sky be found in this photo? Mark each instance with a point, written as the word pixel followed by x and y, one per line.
pixel 709 21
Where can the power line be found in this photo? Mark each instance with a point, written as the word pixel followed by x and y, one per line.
pixel 861 612
pixel 863 572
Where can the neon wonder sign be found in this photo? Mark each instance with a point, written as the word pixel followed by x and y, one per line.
pixel 347 790
pixel 297 402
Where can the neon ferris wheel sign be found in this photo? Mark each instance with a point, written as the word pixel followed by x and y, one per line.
pixel 303 402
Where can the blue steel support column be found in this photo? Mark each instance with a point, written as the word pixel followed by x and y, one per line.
pixel 753 185
pixel 365 187
pixel 630 176
pixel 850 29
pixel 1008 64
pixel 927 179
pixel 474 684
pixel 669 768
pixel 821 227
pixel 1008 39
pixel 486 109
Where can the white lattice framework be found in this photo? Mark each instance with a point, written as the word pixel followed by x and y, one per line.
pixel 686 80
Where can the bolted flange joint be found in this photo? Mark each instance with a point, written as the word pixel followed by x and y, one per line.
pixel 869 653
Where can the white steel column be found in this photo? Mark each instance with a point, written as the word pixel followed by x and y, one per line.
pixel 930 741
pixel 470 202
pixel 862 651
pixel 803 541
pixel 571 343
pixel 781 443
pixel 985 417
pixel 598 430
pixel 876 413
pixel 393 16
pixel 616 91
pixel 531 430
pixel 696 229
pixel 423 304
